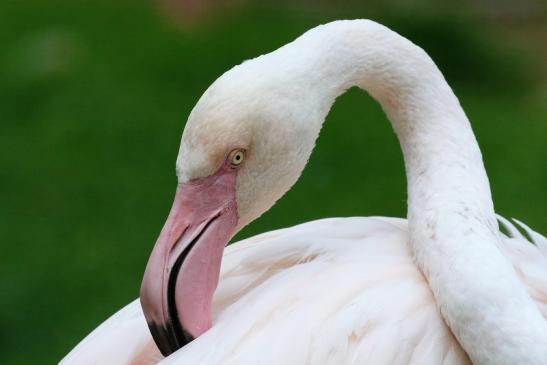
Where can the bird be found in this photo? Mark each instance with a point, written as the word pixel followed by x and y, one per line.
pixel 444 286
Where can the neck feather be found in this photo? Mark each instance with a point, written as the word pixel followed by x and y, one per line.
pixel 453 229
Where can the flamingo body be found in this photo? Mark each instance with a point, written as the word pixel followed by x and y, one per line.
pixel 331 291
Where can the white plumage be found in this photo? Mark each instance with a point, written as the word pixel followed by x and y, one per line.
pixel 331 291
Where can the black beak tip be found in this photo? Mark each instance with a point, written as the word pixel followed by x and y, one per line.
pixel 168 337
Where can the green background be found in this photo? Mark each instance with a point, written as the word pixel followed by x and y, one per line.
pixel 94 96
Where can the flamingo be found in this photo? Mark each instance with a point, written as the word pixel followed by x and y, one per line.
pixel 444 286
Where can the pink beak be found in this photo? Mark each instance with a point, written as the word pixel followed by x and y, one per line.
pixel 182 271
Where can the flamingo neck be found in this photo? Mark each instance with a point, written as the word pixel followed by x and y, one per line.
pixel 453 229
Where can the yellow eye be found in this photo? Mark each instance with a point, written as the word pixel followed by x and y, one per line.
pixel 236 157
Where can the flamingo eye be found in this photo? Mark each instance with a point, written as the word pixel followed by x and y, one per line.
pixel 236 157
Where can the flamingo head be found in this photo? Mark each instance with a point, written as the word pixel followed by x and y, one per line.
pixel 244 145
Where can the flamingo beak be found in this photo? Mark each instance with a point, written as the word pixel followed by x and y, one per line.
pixel 183 270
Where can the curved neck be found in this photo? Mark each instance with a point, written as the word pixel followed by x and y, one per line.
pixel 453 229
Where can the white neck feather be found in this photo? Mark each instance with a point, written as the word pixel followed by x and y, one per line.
pixel 453 229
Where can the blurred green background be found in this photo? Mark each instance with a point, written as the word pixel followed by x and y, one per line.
pixel 94 96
